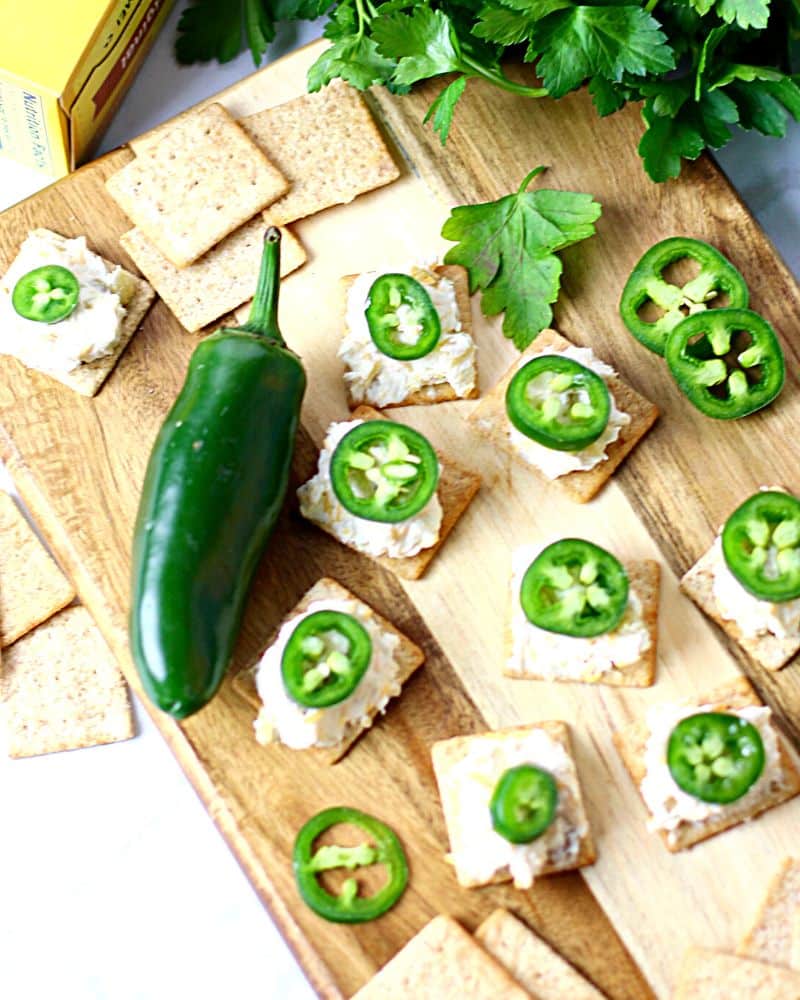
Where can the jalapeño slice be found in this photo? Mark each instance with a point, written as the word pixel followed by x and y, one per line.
pixel 715 756
pixel 722 376
pixel 47 294
pixel 384 471
pixel 523 803
pixel 575 588
pixel 647 284
pixel 761 545
pixel 558 403
pixel 348 907
pixel 325 658
pixel 402 319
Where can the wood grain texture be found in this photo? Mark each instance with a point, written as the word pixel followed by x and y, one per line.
pixel 79 464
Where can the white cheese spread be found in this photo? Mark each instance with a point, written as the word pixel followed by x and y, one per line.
pixel 319 503
pixel 92 331
pixel 552 463
pixel 372 377
pixel 478 852
pixel 536 652
pixel 282 719
pixel 754 617
pixel 669 805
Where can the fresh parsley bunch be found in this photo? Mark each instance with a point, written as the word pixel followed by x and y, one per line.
pixel 698 66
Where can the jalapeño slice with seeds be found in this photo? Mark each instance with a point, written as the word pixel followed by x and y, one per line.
pixel 325 658
pixel 715 757
pixel 47 294
pixel 722 376
pixel 558 403
pixel 761 545
pixel 402 319
pixel 523 803
pixel 575 588
pixel 384 471
pixel 348 906
pixel 647 284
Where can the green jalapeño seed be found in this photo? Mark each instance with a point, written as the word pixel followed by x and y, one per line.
pixel 523 803
pixel 715 757
pixel 325 659
pixel 761 545
pixel 47 294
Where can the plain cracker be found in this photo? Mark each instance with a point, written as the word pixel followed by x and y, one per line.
pixel 328 147
pixel 457 486
pixel 771 938
pixel 645 577
pixel 447 754
pixel 489 417
pixel 61 689
pixel 441 961
pixel 408 655
pixel 442 392
pixel 32 587
pixel 531 961
pixel 768 650
pixel 219 281
pixel 631 742
pixel 714 975
pixel 201 181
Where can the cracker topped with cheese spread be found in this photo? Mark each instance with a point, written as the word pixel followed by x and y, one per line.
pixel 443 370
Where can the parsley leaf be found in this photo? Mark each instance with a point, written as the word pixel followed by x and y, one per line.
pixel 423 42
pixel 259 28
pixel 443 107
pixel 606 96
pixel 209 30
pixel 598 41
pixel 508 247
pixel 745 13
pixel 355 60
pixel 666 142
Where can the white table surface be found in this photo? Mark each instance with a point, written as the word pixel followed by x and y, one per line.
pixel 114 882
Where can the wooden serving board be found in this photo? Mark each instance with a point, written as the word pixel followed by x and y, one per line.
pixel 79 464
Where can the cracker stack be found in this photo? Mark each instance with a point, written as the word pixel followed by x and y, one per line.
pixel 198 187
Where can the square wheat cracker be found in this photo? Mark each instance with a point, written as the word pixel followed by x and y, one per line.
pixel 217 283
pixel 32 587
pixel 631 742
pixel 457 486
pixel 442 960
pixel 645 579
pixel 448 754
pixel 201 181
pixel 490 418
pixel 328 147
pixel 714 975
pixel 531 961
pixel 61 689
pixel 440 392
pixel 772 936
pixel 770 651
pixel 408 656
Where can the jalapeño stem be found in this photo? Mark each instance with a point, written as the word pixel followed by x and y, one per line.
pixel 263 319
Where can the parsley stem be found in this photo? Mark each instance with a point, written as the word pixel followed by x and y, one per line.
pixel 473 68
pixel 362 18
pixel 650 5
pixel 534 173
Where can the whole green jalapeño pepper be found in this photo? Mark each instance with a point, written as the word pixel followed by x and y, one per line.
pixel 721 376
pixel 574 588
pixel 325 658
pixel 715 757
pixel 213 489
pixel 348 907
pixel 523 803
pixel 761 545
pixel 558 403
pixel 402 319
pixel 647 284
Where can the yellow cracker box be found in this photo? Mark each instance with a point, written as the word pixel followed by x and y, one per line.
pixel 64 67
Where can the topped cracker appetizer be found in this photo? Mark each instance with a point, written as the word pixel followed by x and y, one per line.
pixel 408 337
pixel 381 489
pixel 578 614
pixel 748 582
pixel 566 414
pixel 705 765
pixel 67 312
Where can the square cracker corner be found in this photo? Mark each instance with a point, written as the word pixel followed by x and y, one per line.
pixel 769 651
pixel 489 417
pixel 409 656
pixel 772 937
pixel 631 743
pixel 714 975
